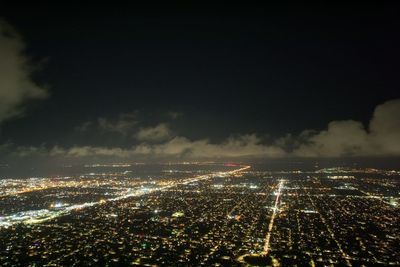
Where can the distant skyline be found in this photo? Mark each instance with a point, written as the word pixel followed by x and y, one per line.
pixel 189 82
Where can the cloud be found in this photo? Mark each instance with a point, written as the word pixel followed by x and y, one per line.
pixel 241 146
pixel 174 114
pixel 16 84
pixel 340 138
pixel 90 151
pixel 124 124
pixel 157 133
pixel 84 126
pixel 178 147
pixel 233 147
pixel 385 127
pixel 351 138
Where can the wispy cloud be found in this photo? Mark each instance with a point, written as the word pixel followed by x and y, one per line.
pixel 178 147
pixel 174 114
pixel 124 124
pixel 158 133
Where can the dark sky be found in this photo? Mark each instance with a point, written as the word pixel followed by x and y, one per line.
pixel 227 70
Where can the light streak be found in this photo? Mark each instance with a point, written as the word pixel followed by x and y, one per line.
pixel 271 222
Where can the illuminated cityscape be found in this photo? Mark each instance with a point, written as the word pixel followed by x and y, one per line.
pixel 193 134
pixel 213 215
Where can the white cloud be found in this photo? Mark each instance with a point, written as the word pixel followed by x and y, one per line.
pixel 16 84
pixel 385 127
pixel 351 138
pixel 242 146
pixel 340 139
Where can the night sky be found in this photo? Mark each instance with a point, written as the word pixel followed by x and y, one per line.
pixel 195 81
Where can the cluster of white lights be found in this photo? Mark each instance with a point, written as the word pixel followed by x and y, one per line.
pixel 59 209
